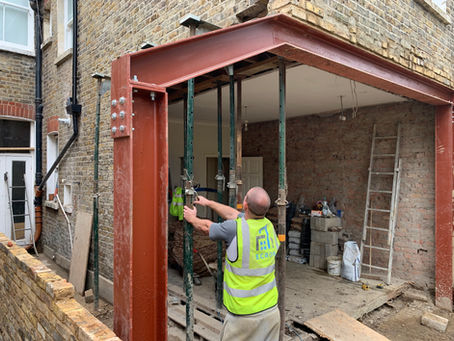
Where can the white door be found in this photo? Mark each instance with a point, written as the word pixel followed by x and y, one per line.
pixel 252 173
pixel 16 172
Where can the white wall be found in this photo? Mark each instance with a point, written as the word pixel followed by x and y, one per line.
pixel 205 145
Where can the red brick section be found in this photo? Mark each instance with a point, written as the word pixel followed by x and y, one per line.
pixel 52 124
pixel 330 158
pixel 17 109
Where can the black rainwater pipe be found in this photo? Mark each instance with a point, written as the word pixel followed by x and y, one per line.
pixel 73 108
pixel 36 6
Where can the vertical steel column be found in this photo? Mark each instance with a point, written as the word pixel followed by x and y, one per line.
pixel 443 207
pixel 188 228
pixel 232 184
pixel 96 200
pixel 239 149
pixel 185 123
pixel 220 188
pixel 282 198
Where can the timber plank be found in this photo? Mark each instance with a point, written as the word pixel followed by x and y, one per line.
pixel 338 326
pixel 81 248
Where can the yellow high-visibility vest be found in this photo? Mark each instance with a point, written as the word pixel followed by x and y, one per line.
pixel 176 206
pixel 249 280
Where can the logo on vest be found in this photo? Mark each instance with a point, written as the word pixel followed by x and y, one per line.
pixel 265 247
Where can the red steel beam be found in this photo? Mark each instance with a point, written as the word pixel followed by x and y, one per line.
pixel 443 207
pixel 140 207
pixel 174 63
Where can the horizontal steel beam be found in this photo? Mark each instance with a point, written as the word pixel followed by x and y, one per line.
pixel 174 63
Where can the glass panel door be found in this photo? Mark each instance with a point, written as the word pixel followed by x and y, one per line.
pixel 19 179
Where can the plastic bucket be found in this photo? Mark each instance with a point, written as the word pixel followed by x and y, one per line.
pixel 334 265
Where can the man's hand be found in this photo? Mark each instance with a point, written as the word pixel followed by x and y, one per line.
pixel 202 201
pixel 190 215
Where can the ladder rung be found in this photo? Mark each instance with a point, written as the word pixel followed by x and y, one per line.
pixel 379 210
pixel 18 200
pixel 380 191
pixel 25 229
pixel 384 155
pixel 376 247
pixel 385 137
pixel 21 215
pixel 382 173
pixel 17 187
pixel 377 228
pixel 375 267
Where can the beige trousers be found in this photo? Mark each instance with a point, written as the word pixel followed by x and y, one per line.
pixel 263 326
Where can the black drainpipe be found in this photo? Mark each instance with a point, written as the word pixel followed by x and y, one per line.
pixel 36 6
pixel 73 107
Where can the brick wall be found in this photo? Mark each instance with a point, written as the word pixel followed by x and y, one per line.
pixel 37 304
pixel 407 32
pixel 17 78
pixel 106 32
pixel 330 158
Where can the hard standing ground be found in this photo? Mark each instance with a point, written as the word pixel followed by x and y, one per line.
pixel 400 320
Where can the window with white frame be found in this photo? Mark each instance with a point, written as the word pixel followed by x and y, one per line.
pixel 16 26
pixel 68 23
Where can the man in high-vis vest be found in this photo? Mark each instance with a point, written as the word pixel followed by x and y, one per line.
pixel 250 291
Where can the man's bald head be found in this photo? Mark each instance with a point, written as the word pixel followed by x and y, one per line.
pixel 258 201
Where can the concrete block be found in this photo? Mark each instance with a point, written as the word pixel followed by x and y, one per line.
pixel 314 261
pixel 317 249
pixel 294 252
pixel 89 297
pixel 294 240
pixel 295 246
pixel 331 250
pixel 294 234
pixel 325 237
pixel 434 321
pixel 323 224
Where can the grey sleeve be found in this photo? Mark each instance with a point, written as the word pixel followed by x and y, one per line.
pixel 224 231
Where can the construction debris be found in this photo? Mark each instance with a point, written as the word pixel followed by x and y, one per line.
pixel 88 295
pixel 413 295
pixel 434 321
pixel 205 247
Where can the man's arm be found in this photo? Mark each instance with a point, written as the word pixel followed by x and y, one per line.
pixel 226 212
pixel 200 224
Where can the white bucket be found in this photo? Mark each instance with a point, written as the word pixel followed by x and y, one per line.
pixel 334 265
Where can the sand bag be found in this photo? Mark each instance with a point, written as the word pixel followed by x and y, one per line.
pixel 351 261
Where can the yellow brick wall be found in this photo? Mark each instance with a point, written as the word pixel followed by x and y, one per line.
pixel 406 32
pixel 36 304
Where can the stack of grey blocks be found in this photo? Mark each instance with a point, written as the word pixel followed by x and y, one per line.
pixel 325 233
pixel 294 244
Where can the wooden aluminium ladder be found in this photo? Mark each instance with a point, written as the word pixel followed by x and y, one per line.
pixel 17 215
pixel 379 240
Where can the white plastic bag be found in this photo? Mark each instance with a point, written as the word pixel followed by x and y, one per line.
pixel 351 262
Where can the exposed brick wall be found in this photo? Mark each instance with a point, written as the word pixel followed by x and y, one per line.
pixel 106 32
pixel 37 304
pixel 17 78
pixel 402 31
pixel 330 158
